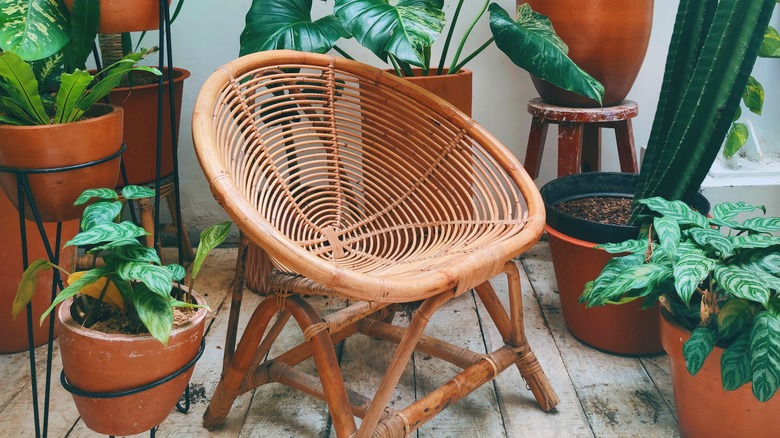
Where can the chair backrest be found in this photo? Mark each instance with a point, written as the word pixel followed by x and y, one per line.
pixel 323 158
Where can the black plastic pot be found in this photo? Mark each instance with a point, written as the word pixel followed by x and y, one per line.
pixel 596 184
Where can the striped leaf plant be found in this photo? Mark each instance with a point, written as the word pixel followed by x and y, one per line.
pixel 719 277
pixel 132 278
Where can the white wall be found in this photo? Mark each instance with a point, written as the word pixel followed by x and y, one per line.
pixel 206 35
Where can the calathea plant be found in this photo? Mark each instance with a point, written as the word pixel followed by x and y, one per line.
pixel 132 279
pixel 718 277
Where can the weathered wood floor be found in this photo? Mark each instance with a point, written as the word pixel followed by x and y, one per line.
pixel 602 395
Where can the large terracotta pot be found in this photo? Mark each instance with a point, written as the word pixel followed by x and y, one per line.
pixel 14 331
pixel 59 145
pixel 99 362
pixel 624 329
pixel 606 38
pixel 704 409
pixel 140 105
pixel 117 16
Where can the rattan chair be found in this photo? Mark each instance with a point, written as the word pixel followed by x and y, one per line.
pixel 356 184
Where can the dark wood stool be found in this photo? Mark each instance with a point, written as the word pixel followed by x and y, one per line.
pixel 579 136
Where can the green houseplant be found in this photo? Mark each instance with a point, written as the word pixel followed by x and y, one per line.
pixel 117 319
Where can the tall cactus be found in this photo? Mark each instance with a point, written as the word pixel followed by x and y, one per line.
pixel 714 46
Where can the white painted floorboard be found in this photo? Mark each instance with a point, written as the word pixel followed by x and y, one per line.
pixel 601 395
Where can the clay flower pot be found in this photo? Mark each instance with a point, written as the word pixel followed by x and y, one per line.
pixel 118 16
pixel 606 38
pixel 703 407
pixel 99 362
pixel 51 146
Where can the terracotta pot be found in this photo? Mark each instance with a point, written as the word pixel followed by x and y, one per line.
pixel 606 38
pixel 117 16
pixel 140 127
pixel 455 89
pixel 100 362
pixel 624 329
pixel 67 144
pixel 704 409
pixel 14 338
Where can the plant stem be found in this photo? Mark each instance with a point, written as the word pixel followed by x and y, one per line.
pixel 426 60
pixel 343 53
pixel 405 68
pixel 465 37
pixel 93 310
pixel 446 48
pixel 396 67
pixel 484 46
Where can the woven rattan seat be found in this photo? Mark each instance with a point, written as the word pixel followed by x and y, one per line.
pixel 355 183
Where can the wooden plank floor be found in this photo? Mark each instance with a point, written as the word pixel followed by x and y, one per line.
pixel 602 395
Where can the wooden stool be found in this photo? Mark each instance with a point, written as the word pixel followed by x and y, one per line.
pixel 146 207
pixel 579 144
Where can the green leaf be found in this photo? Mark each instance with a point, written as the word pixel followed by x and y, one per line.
pixel 154 311
pixel 761 225
pixel 697 348
pixel 107 231
pixel 734 317
pixel 713 239
pixel 669 234
pixel 177 271
pixel 28 284
pixel 100 212
pixel 136 253
pixel 689 271
pixel 115 244
pixel 735 364
pixel 728 210
pixel 532 44
pixel 88 278
pixel 84 23
pixel 632 246
pixel 72 88
pixel 19 83
pixel 157 278
pixel 287 24
pixel 769 261
pixel 642 277
pixel 770 46
pixel 735 139
pixel 101 194
pixel 137 192
pixel 598 292
pixel 210 238
pixel 754 241
pixel 742 284
pixel 403 29
pixel 176 303
pixel 34 29
pixel 677 210
pixel 753 97
pixel 765 355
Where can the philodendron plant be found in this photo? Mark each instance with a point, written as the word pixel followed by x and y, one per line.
pixel 133 278
pixel 402 34
pixel 717 276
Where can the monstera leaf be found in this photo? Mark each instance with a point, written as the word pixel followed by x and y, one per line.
pixel 403 30
pixel 287 24
pixel 532 44
pixel 33 29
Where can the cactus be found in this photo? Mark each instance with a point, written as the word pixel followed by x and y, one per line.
pixel 714 46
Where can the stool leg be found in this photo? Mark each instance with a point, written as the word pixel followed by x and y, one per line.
pixel 147 220
pixel 186 245
pixel 569 148
pixel 591 148
pixel 624 134
pixel 533 153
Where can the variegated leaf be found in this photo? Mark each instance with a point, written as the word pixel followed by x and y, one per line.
pixel 754 241
pixel 728 210
pixel 689 272
pixel 177 271
pixel 596 294
pixel 100 212
pixel 101 194
pixel 742 284
pixel 154 311
pixel 761 225
pixel 668 232
pixel 735 364
pixel 107 231
pixel 765 355
pixel 34 29
pixel 157 278
pixel 210 238
pixel 137 192
pixel 734 317
pixel 768 261
pixel 136 253
pixel 116 244
pixel 713 239
pixel 632 246
pixel 677 210
pixel 632 278
pixel 94 290
pixel 75 287
pixel 697 348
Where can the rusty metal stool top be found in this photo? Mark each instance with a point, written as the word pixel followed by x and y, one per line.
pixel 627 109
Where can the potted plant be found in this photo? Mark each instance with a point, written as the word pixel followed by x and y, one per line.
pixel 707 69
pixel 126 324
pixel 719 282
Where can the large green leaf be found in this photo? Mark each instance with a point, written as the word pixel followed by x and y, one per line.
pixel 210 238
pixel 697 348
pixel 154 311
pixel 100 212
pixel 404 29
pixel 668 232
pixel 532 44
pixel 677 210
pixel 598 292
pixel 642 277
pixel 28 284
pixel 86 279
pixel 18 81
pixel 34 29
pixel 158 279
pixel 107 231
pixel 287 24
pixel 742 284
pixel 72 87
pixel 84 22
pixel 765 355
pixel 690 270
pixel 734 317
pixel 735 364
pixel 713 239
